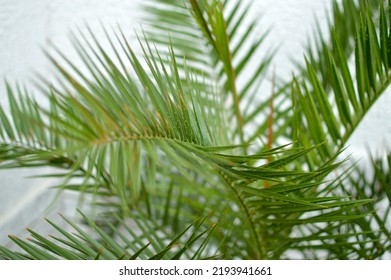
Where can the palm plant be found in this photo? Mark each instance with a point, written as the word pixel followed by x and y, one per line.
pixel 186 157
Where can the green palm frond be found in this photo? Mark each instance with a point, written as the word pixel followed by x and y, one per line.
pixel 110 132
pixel 112 125
pixel 171 22
pixel 346 17
pixel 374 184
pixel 210 38
pixel 141 240
pixel 334 116
pixel 338 40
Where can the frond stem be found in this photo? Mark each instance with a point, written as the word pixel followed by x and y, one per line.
pixel 261 253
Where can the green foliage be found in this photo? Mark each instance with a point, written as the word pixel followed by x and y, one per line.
pixel 163 141
pixel 314 103
pixel 124 243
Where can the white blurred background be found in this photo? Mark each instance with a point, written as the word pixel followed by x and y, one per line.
pixel 27 27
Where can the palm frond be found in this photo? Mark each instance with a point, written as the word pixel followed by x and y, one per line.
pixel 334 116
pixel 343 25
pixel 226 52
pixel 113 125
pixel 170 22
pixel 374 184
pixel 143 240
pixel 339 39
pixel 283 212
